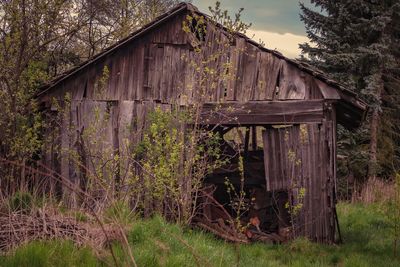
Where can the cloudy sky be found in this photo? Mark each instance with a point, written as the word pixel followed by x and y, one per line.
pixel 276 22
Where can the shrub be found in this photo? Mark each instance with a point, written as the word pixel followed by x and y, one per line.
pixel 119 212
pixel 21 201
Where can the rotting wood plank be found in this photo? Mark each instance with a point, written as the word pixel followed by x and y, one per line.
pixel 231 83
pixel 266 147
pixel 291 84
pixel 327 91
pixel 283 147
pixel 272 112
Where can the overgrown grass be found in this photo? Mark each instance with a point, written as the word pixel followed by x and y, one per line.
pixel 51 253
pixel 367 242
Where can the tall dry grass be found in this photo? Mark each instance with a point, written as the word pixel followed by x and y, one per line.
pixel 375 191
pixel 32 213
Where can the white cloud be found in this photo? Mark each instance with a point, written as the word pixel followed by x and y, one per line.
pixel 287 44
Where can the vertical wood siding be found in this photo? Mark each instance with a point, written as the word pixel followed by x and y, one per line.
pixel 155 67
pixel 302 157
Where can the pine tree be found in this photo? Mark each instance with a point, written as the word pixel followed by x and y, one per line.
pixel 356 42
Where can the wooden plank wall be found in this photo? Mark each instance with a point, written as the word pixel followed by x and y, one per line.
pixel 93 133
pixel 157 67
pixel 303 156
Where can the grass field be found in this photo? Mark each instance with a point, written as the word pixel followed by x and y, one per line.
pixel 367 242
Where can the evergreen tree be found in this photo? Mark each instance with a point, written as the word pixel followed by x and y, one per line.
pixel 356 42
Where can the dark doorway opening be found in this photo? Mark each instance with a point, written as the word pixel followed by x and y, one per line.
pixel 240 186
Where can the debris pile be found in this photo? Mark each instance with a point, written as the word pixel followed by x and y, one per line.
pixel 18 227
pixel 214 218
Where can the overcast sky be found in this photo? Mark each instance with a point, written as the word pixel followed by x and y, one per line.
pixel 276 22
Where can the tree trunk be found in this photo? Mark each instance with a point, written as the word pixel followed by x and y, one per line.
pixel 375 117
pixel 373 144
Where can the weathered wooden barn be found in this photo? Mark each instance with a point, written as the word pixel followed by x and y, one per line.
pixel 289 113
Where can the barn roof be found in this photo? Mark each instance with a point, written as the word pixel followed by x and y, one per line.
pixel 350 100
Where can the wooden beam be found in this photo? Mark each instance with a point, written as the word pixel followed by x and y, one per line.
pixel 263 112
pixel 254 137
pixel 246 142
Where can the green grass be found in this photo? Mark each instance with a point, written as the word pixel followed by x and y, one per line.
pixel 367 242
pixel 52 253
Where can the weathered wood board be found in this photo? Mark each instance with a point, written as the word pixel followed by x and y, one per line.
pixel 300 159
pixel 263 112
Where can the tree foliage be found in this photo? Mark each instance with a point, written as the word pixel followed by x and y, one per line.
pixel 357 43
pixel 41 39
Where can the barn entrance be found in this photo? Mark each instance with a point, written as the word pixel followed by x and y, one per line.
pixel 278 180
pixel 242 188
pixel 283 157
